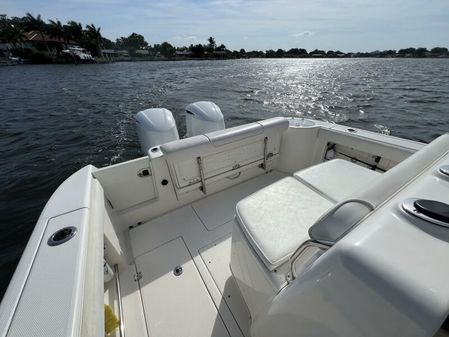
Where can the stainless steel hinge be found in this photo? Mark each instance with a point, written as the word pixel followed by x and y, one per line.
pixel 137 276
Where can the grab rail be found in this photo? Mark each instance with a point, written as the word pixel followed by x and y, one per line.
pixel 119 297
pixel 345 225
pixel 203 179
pixel 265 154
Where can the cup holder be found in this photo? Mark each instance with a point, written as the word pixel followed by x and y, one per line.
pixel 444 170
pixel 62 235
pixel 432 211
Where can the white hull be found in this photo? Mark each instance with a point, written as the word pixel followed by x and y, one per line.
pixel 170 209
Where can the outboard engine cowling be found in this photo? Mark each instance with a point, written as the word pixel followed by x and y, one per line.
pixel 154 127
pixel 203 117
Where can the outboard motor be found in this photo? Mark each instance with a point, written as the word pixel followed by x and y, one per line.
pixel 154 127
pixel 203 117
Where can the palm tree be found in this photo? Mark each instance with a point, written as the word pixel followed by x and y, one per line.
pixel 34 23
pixel 56 30
pixel 93 34
pixel 37 24
pixel 212 44
pixel 17 22
pixel 74 30
pixel 11 32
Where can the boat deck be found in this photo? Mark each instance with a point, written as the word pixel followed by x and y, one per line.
pixel 203 300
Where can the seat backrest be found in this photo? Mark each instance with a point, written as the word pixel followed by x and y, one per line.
pixel 345 215
pixel 223 152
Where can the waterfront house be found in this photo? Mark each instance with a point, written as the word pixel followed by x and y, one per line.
pixel 109 53
pixel 142 52
pixel 123 53
pixel 41 42
pixel 183 53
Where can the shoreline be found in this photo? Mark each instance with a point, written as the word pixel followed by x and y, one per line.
pixel 139 59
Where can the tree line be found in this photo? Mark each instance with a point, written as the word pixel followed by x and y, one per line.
pixel 13 31
pixel 211 49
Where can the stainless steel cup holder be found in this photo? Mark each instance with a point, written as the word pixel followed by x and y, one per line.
pixel 62 235
pixel 444 170
pixel 432 211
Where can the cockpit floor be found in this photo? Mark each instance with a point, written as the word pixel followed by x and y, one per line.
pixel 182 259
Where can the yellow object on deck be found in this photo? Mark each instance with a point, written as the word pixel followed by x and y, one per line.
pixel 111 321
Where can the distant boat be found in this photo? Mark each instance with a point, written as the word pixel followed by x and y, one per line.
pixel 78 55
pixel 10 61
pixel 5 57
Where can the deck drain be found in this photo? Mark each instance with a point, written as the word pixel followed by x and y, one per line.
pixel 177 271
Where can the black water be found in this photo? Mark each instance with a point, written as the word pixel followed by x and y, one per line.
pixel 56 119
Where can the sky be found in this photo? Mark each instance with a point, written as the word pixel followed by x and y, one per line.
pixel 346 25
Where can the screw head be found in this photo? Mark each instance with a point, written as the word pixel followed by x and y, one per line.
pixel 177 271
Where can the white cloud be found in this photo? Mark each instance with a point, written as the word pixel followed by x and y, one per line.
pixel 348 25
pixel 304 33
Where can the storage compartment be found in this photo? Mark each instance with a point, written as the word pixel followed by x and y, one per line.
pixel 127 184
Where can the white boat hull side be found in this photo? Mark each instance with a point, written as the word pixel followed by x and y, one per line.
pixel 69 205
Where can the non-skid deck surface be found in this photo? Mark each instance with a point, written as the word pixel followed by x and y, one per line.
pixel 203 300
pixel 174 296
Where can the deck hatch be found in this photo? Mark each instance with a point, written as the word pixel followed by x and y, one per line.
pixel 428 210
pixel 176 305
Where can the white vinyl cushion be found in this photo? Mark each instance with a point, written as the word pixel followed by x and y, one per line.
pixel 337 178
pixel 277 218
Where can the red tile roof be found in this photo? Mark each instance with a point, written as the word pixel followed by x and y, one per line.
pixel 37 36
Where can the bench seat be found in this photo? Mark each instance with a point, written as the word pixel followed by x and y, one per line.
pixel 276 219
pixel 273 222
pixel 336 179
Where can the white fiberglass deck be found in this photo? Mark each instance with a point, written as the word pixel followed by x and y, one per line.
pixel 203 300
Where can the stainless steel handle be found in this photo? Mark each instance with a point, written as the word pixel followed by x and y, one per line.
pixel 265 153
pixel 203 179
pixel 119 296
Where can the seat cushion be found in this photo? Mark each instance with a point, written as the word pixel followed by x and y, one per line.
pixel 337 178
pixel 277 218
